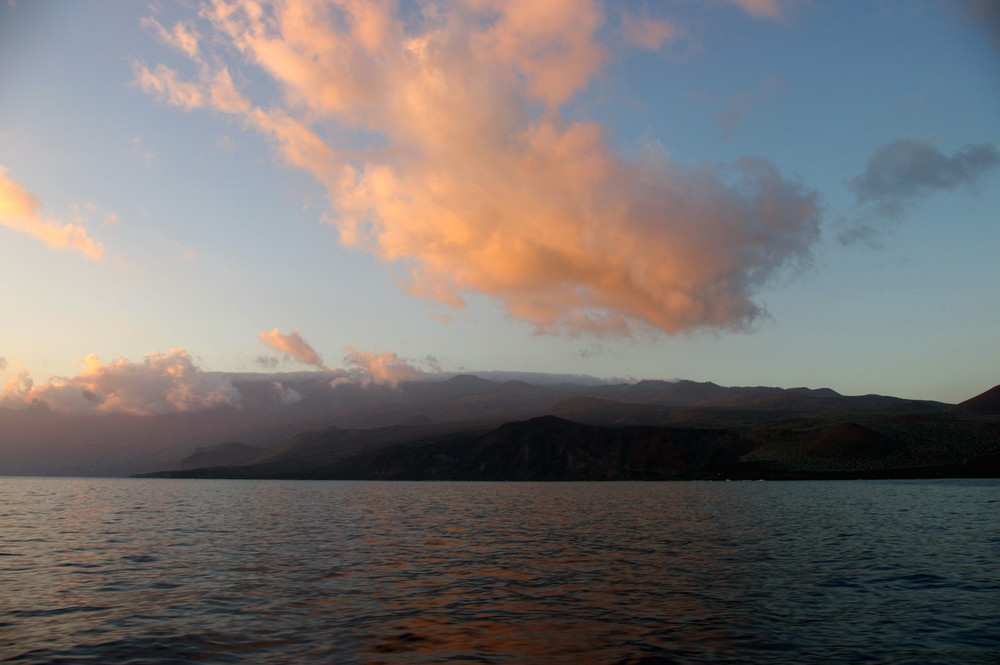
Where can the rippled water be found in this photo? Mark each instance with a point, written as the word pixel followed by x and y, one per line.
pixel 164 571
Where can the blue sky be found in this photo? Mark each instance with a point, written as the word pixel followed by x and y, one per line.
pixel 748 192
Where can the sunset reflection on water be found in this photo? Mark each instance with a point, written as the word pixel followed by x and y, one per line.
pixel 161 571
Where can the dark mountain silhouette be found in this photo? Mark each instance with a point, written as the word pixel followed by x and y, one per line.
pixel 349 430
pixel 552 448
pixel 985 403
pixel 230 453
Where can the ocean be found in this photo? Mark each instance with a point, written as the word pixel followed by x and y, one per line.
pixel 156 571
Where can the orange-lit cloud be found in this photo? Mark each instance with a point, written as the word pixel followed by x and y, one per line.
pixel 383 368
pixel 167 382
pixel 360 367
pixel 182 36
pixel 20 210
pixel 475 181
pixel 292 345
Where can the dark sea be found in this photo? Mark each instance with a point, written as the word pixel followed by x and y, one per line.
pixel 146 571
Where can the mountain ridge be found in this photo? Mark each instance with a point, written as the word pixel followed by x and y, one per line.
pixel 546 448
pixel 339 421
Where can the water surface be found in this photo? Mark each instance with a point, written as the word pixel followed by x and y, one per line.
pixel 153 571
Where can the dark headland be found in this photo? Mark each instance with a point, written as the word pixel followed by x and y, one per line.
pixel 469 428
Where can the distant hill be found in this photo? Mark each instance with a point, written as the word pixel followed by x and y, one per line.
pixel 315 427
pixel 230 453
pixel 986 403
pixel 552 448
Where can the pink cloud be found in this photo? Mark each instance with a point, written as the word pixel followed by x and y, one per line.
pixel 382 368
pixel 171 381
pixel 292 345
pixel 21 211
pixel 166 382
pixel 182 36
pixel 479 183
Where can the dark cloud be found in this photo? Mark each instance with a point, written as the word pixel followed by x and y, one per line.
pixel 269 362
pixel 540 378
pixel 900 172
pixel 986 15
pixel 860 232
pixel 591 351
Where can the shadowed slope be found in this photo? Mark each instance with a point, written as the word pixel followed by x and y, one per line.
pixel 985 403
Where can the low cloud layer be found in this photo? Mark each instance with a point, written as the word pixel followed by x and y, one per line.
pixel 442 137
pixel 904 171
pixel 384 368
pixel 285 394
pixel 171 381
pixel 167 382
pixel 292 346
pixel 20 210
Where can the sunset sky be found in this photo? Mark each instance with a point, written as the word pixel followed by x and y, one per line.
pixel 750 192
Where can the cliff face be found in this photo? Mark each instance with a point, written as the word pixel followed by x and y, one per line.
pixel 231 453
pixel 549 448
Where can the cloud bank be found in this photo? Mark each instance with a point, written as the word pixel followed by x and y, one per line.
pixel 21 211
pixel 171 381
pixel 167 382
pixel 442 135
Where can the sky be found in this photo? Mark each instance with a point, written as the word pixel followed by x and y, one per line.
pixel 750 192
